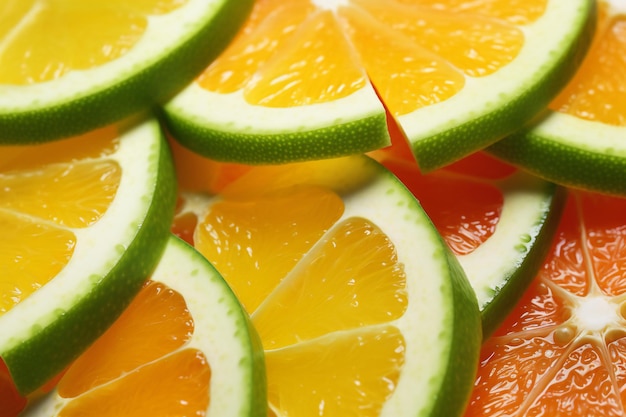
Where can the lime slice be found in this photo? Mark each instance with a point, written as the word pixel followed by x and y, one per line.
pixel 67 67
pixel 579 142
pixel 86 220
pixel 214 367
pixel 359 304
pixel 312 79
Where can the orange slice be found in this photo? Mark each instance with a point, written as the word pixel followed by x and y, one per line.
pixel 308 79
pixel 579 143
pixel 85 220
pixel 347 283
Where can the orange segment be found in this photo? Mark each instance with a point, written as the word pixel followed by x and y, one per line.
pixel 561 351
pixel 141 357
pixel 255 243
pixel 330 372
pixel 44 42
pixel 597 91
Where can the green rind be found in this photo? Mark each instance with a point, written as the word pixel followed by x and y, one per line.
pixel 48 352
pixel 545 155
pixel 343 139
pixel 459 141
pixel 465 325
pixel 252 365
pixel 515 283
pixel 143 89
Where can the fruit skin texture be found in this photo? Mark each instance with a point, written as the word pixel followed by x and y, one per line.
pixel 509 294
pixel 258 148
pixel 574 166
pixel 455 143
pixel 467 341
pixel 143 89
pixel 32 364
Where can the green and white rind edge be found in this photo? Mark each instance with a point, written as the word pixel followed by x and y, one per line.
pixel 441 326
pixel 174 49
pixel 225 127
pixel 222 332
pixel 570 151
pixel 111 260
pixel 505 264
pixel 492 107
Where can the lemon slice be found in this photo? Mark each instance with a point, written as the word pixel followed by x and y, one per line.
pixel 184 346
pixel 85 221
pixel 580 141
pixel 68 67
pixel 360 306
pixel 312 79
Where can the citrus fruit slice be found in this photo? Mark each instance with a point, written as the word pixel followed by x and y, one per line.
pixel 360 306
pixel 67 67
pixel 84 221
pixel 183 347
pixel 307 79
pixel 579 143
pixel 563 349
pixel 497 220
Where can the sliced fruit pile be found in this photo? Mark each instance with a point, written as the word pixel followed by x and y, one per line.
pixel 312 208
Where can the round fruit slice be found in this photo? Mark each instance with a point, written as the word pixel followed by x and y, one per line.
pixel 562 352
pixel 84 221
pixel 360 306
pixel 497 220
pixel 580 142
pixel 184 347
pixel 69 66
pixel 307 79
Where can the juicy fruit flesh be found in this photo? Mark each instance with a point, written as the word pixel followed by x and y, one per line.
pixel 140 358
pixel 40 223
pixel 333 45
pixel 42 40
pixel 317 287
pixel 597 91
pixel 563 350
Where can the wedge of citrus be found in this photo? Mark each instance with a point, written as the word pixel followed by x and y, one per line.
pixel 580 142
pixel 360 306
pixel 70 66
pixel 84 221
pixel 562 352
pixel 184 347
pixel 498 221
pixel 307 79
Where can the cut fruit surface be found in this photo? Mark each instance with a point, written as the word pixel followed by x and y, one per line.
pixel 84 222
pixel 184 346
pixel 498 221
pixel 562 350
pixel 360 306
pixel 580 142
pixel 68 67
pixel 309 79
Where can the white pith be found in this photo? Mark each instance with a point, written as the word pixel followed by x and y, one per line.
pixel 526 202
pixel 163 34
pixel 427 323
pixel 220 332
pixel 98 247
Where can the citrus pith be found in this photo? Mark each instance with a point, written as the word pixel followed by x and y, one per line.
pixel 79 246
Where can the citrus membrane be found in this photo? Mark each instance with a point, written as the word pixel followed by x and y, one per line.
pixel 67 67
pixel 359 304
pixel 312 79
pixel 498 221
pixel 579 142
pixel 562 350
pixel 85 221
pixel 184 346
